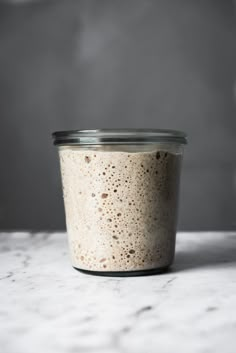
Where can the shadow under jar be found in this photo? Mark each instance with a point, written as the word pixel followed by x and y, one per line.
pixel 120 192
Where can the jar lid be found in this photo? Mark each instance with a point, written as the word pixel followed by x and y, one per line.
pixel 118 137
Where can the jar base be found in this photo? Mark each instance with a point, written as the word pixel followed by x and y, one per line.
pixel 153 271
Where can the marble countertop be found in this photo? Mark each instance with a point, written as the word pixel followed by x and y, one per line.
pixel 47 306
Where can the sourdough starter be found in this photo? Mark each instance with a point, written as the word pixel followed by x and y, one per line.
pixel 121 208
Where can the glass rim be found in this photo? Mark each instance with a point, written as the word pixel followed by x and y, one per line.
pixel 118 137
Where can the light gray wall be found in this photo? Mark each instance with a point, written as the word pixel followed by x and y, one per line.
pixel 133 63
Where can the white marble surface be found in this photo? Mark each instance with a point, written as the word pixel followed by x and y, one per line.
pixel 46 306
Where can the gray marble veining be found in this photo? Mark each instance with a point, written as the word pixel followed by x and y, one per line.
pixel 47 306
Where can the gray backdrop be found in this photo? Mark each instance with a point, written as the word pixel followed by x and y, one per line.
pixel 113 64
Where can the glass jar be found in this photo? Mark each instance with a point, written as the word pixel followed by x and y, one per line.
pixel 120 192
